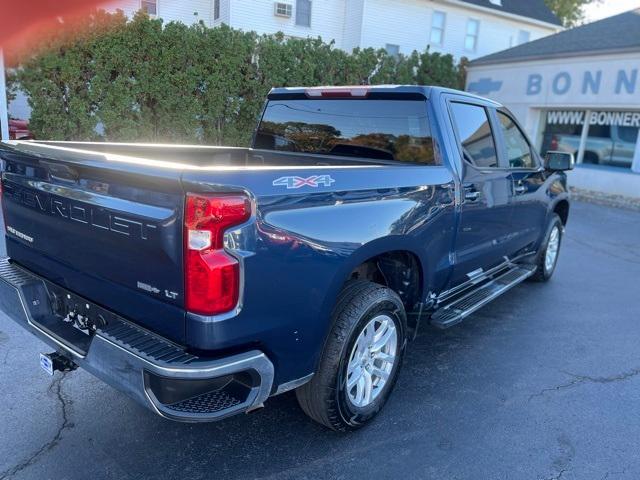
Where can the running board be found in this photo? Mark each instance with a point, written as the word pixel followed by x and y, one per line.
pixel 462 307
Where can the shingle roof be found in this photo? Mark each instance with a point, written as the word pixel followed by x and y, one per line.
pixel 535 9
pixel 619 33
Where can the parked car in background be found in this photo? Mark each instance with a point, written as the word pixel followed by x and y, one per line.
pixel 19 130
pixel 606 145
pixel 203 280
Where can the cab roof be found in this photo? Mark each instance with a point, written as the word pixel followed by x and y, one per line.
pixel 363 91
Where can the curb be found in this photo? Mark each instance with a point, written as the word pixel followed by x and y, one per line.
pixel 609 200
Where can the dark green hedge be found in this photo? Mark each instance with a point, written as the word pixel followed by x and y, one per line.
pixel 143 80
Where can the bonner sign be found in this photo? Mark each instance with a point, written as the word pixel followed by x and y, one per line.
pixel 612 82
pixel 569 117
pixel 590 81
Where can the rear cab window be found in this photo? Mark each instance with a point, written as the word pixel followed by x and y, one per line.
pixel 395 130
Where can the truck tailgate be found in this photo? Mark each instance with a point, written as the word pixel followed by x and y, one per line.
pixel 108 230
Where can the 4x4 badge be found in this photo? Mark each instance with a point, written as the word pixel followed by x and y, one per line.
pixel 296 182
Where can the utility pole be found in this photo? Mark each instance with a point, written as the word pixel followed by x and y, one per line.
pixel 583 137
pixel 4 111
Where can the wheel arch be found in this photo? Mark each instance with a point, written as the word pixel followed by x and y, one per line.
pixel 387 250
pixel 384 261
pixel 561 208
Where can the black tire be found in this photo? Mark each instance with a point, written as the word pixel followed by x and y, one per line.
pixel 325 398
pixel 543 273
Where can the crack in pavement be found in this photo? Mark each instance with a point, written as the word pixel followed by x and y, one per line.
pixel 559 475
pixel 562 462
pixel 581 379
pixel 621 472
pixel 606 252
pixel 56 388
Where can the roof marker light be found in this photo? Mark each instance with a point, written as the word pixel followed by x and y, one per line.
pixel 337 92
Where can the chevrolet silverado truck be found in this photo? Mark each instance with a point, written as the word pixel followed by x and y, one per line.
pixel 203 280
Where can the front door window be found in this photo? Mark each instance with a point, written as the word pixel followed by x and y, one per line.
pixel 517 147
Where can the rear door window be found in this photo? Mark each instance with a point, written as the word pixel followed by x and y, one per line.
pixel 395 130
pixel 475 135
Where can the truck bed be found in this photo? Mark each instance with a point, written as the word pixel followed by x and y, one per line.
pixel 198 155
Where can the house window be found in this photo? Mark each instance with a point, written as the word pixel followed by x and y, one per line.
pixel 523 37
pixel 216 9
pixel 283 10
pixel 437 28
pixel 150 7
pixel 471 38
pixel 393 50
pixel 303 13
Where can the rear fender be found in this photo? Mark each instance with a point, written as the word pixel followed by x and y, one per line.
pixel 358 257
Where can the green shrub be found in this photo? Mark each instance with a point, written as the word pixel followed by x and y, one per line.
pixel 141 80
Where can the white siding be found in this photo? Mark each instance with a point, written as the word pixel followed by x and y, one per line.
pixel 187 12
pixel 225 13
pixel 353 15
pixel 327 19
pixel 359 23
pixel 408 23
pixel 401 22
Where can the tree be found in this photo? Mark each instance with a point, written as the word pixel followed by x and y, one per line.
pixel 570 12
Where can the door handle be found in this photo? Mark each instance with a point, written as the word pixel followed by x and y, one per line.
pixel 470 193
pixel 520 189
pixel 472 196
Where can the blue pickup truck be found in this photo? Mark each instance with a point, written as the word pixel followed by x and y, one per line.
pixel 203 280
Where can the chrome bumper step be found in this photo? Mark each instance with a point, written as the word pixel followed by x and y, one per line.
pixel 159 374
pixel 461 307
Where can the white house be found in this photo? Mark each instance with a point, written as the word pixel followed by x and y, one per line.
pixel 469 28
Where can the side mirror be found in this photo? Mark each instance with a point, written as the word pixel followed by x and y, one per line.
pixel 559 161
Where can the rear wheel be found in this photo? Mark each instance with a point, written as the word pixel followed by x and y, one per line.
pixel 547 258
pixel 361 359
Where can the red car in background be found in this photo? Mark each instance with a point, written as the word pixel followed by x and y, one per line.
pixel 19 130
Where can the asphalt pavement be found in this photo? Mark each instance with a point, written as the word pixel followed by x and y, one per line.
pixel 544 383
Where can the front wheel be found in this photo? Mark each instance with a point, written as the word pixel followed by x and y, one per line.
pixel 547 258
pixel 361 359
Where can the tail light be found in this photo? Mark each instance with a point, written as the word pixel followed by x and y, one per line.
pixel 554 143
pixel 212 276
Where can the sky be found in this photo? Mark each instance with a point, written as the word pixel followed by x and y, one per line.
pixel 608 8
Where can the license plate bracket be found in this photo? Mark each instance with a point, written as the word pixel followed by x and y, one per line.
pixel 46 363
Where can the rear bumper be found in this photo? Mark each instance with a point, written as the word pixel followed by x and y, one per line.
pixel 155 372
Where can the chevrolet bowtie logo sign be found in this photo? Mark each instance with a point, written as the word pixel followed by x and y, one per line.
pixel 485 86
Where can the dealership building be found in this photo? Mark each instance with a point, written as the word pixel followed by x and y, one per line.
pixel 576 91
